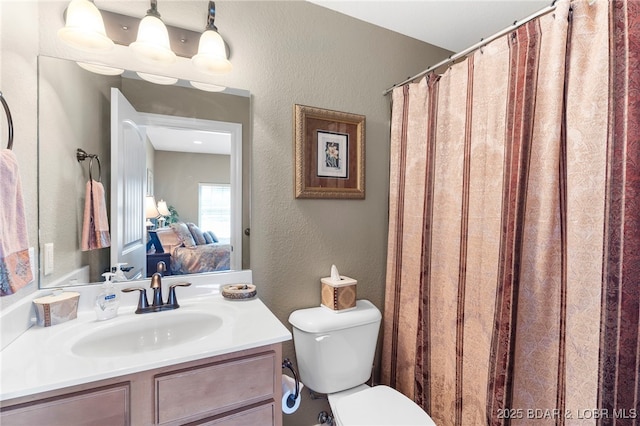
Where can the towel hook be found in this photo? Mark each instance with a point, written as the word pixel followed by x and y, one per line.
pixel 9 121
pixel 99 168
pixel 82 155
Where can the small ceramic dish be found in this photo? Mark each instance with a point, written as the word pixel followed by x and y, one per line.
pixel 239 291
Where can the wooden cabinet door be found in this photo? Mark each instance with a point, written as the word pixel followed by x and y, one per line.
pixel 103 406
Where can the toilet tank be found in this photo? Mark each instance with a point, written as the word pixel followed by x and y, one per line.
pixel 335 350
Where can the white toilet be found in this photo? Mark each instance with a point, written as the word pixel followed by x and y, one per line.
pixel 335 352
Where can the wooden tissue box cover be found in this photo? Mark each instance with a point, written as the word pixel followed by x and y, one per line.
pixel 52 310
pixel 339 295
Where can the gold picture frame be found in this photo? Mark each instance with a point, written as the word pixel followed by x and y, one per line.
pixel 329 153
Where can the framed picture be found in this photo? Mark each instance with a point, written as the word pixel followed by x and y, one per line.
pixel 329 153
pixel 149 182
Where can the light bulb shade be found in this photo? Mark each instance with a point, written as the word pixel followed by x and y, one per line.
pixel 84 28
pixel 152 43
pixel 212 54
pixel 163 209
pixel 207 87
pixel 157 79
pixel 150 209
pixel 100 69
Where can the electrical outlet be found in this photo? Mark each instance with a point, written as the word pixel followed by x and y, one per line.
pixel 48 258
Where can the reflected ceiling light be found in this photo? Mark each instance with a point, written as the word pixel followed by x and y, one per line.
pixel 84 27
pixel 212 53
pixel 157 79
pixel 207 87
pixel 152 43
pixel 100 69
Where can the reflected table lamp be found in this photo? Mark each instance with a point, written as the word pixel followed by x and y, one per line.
pixel 150 211
pixel 164 213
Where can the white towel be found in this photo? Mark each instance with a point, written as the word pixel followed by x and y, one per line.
pixel 15 266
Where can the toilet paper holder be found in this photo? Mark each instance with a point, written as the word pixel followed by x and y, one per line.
pixel 291 400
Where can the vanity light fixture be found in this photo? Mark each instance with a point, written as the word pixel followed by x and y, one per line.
pixel 207 87
pixel 100 69
pixel 152 43
pixel 84 27
pixel 212 53
pixel 157 79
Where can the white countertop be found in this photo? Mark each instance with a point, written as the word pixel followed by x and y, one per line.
pixel 41 358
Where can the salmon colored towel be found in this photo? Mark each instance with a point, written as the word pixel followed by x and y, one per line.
pixel 95 227
pixel 15 266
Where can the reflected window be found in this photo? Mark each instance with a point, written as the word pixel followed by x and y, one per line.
pixel 214 212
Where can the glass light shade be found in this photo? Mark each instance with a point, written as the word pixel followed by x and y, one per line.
pixel 163 209
pixel 84 28
pixel 212 55
pixel 152 43
pixel 157 79
pixel 100 69
pixel 150 209
pixel 207 87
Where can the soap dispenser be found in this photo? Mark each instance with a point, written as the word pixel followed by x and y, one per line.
pixel 119 273
pixel 107 302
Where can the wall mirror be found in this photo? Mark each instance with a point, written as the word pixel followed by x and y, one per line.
pixel 75 112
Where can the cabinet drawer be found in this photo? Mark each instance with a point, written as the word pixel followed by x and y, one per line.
pixel 106 406
pixel 261 415
pixel 215 388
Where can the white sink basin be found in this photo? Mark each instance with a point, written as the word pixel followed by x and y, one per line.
pixel 83 350
pixel 146 332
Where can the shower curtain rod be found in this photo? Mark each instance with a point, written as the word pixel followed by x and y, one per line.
pixel 476 46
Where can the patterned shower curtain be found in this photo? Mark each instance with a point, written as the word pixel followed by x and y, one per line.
pixel 513 269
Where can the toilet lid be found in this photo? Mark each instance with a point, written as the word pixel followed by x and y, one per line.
pixel 380 405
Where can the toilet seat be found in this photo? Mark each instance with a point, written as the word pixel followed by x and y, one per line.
pixel 379 405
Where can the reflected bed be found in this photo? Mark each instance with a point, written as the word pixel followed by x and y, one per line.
pixel 192 250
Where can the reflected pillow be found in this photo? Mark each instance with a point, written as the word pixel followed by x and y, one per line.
pixel 212 236
pixel 168 239
pixel 182 231
pixel 197 234
pixel 207 238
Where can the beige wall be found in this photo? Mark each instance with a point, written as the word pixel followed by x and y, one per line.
pixel 285 53
pixel 177 175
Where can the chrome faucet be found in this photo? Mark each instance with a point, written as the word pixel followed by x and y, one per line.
pixel 156 284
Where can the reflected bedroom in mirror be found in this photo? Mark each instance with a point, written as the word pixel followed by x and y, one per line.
pixel 133 173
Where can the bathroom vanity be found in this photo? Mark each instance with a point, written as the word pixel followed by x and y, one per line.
pixel 211 362
pixel 240 388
